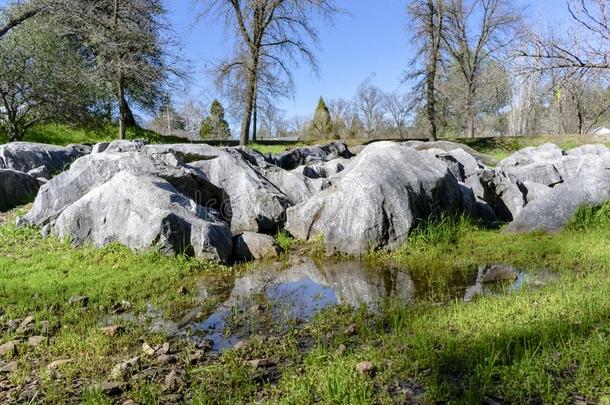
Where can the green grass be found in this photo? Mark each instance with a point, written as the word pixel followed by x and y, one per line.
pixel 534 345
pixel 274 149
pixel 61 134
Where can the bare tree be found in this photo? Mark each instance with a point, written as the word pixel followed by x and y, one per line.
pixel 193 112
pixel 368 103
pixel 493 32
pixel 272 33
pixel 427 19
pixel 586 45
pixel 398 106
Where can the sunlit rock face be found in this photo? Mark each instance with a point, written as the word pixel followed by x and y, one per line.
pixel 377 200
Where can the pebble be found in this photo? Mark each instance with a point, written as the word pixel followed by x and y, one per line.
pixel 167 359
pixel 351 330
pixel 365 367
pixel 173 381
pixel 9 348
pixel 8 368
pixel 147 349
pixel 240 345
pixel 36 340
pixel 13 324
pixel 58 363
pixel 79 300
pixel 112 330
pixel 119 370
pixel 260 363
pixel 108 388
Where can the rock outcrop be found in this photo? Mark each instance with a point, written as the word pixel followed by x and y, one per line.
pixel 554 208
pixel 377 200
pixel 16 188
pixel 42 160
pixel 143 211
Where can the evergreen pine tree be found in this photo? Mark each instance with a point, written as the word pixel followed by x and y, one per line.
pixel 321 125
pixel 215 126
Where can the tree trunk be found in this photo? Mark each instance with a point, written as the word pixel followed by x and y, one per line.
pixel 434 31
pixel 470 118
pixel 123 108
pixel 249 102
pixel 130 120
pixel 254 117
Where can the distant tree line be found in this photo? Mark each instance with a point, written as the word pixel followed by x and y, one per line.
pixel 481 68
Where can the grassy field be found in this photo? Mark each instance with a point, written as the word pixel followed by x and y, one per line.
pixel 537 345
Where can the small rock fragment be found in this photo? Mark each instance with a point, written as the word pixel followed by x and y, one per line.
pixel 121 307
pixel 341 349
pixel 79 301
pixel 173 381
pixel 26 326
pixel 9 348
pixel 120 370
pixel 240 345
pixel 183 290
pixel 109 388
pixel 36 340
pixel 147 349
pixel 54 365
pixel 365 367
pixel 164 349
pixel 167 359
pixel 260 363
pixel 112 330
pixel 351 330
pixel 12 325
pixel 8 368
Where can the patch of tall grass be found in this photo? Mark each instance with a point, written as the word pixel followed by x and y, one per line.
pixel 589 217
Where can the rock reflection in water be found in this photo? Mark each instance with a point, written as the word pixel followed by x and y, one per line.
pixel 270 300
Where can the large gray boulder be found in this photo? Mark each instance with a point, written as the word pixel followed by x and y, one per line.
pixel 377 200
pixel 16 188
pixel 551 211
pixel 539 172
pixel 448 146
pixel 584 150
pixel 254 203
pixel 503 194
pixel 93 170
pixel 300 156
pixel 296 186
pixel 44 160
pixel 533 154
pixel 578 165
pixel 253 246
pixel 321 169
pixel 143 211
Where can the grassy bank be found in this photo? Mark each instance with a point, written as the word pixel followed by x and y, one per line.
pixel 547 344
pixel 60 134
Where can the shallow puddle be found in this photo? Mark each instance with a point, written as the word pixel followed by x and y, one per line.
pixel 275 297
pixel 270 300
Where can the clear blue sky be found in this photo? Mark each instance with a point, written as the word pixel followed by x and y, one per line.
pixel 371 42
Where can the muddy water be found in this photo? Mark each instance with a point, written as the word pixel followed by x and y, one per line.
pixel 273 297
